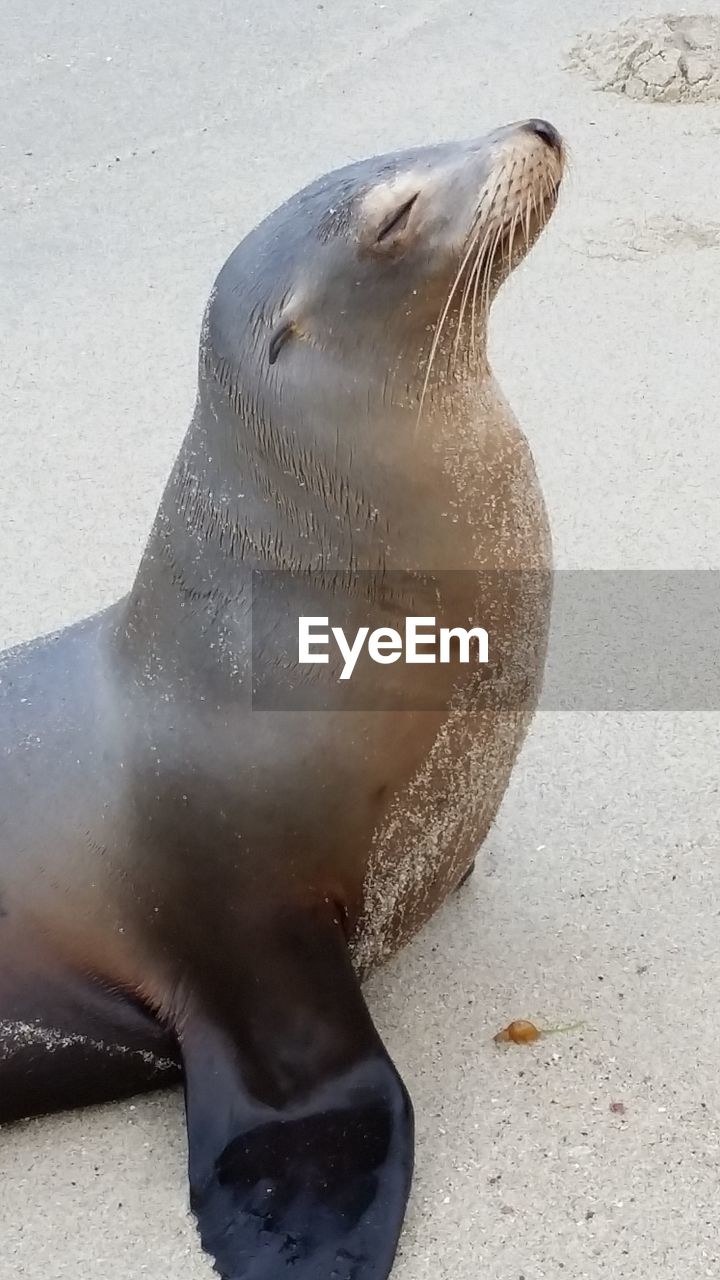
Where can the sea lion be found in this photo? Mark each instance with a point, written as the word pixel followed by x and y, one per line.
pixel 192 881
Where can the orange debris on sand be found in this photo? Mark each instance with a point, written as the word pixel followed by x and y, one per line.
pixel 519 1032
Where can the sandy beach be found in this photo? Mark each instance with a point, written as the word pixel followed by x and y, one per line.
pixel 138 148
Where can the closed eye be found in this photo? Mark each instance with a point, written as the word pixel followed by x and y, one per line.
pixel 397 221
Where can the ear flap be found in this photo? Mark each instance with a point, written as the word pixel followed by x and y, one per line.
pixel 279 337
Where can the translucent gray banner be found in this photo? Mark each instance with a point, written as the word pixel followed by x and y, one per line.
pixel 618 641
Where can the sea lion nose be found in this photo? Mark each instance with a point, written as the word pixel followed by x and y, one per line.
pixel 547 132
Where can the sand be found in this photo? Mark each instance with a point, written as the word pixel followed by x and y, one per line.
pixel 137 148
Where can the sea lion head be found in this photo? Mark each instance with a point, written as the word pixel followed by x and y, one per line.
pixel 352 314
pixel 373 266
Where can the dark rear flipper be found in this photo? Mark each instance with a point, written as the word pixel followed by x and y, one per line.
pixel 67 1041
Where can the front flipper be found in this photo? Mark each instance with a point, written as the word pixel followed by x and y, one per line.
pixel 300 1130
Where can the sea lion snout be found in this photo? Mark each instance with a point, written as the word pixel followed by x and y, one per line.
pixel 549 134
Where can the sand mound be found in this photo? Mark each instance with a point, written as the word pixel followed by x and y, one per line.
pixel 663 59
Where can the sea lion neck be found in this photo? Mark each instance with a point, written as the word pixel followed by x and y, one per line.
pixel 362 482
pixel 273 482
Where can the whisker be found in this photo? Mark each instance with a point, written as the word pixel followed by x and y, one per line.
pixel 483 263
pixel 473 303
pixel 489 266
pixel 439 329
pixel 479 264
pixel 473 273
pixel 465 295
pixel 530 210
